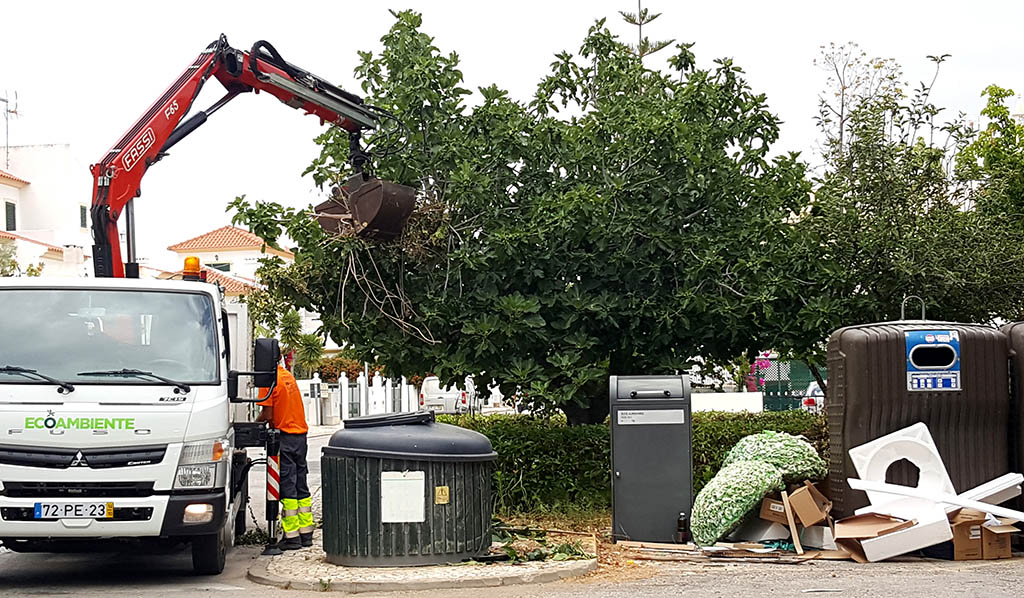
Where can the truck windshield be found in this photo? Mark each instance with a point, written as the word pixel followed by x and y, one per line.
pixel 66 331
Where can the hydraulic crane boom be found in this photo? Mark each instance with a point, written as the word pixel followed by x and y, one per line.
pixel 117 178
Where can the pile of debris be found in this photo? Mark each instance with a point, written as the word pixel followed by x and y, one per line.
pixel 930 519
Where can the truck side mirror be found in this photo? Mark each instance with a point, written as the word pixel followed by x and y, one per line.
pixel 265 360
pixel 266 355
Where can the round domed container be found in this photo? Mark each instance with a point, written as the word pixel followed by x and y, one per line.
pixel 402 490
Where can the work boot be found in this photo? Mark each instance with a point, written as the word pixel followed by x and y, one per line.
pixel 306 539
pixel 290 544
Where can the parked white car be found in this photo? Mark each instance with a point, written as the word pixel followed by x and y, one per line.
pixel 814 399
pixel 448 400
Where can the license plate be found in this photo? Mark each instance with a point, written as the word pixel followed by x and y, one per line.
pixel 74 510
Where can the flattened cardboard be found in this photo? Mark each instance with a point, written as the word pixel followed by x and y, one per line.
pixel 810 506
pixel 995 540
pixel 773 510
pixel 869 525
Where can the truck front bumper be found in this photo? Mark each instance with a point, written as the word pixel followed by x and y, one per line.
pixel 135 517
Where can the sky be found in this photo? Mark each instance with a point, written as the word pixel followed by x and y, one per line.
pixel 85 71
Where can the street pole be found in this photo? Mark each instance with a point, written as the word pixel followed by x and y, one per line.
pixel 273 489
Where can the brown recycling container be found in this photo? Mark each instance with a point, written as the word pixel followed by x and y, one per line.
pixel 887 376
pixel 1015 336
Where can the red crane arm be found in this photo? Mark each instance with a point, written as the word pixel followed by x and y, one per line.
pixel 117 178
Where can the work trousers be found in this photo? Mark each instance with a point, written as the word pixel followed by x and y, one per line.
pixel 296 504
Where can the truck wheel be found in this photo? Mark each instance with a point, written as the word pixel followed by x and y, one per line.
pixel 240 518
pixel 209 552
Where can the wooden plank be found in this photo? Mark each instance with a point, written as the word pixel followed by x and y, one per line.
pixel 655 545
pixel 792 523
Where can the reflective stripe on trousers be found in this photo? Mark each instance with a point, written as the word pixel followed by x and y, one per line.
pixel 305 515
pixel 290 520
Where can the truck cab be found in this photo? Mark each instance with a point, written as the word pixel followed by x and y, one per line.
pixel 115 418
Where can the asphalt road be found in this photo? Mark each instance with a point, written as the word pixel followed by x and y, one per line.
pixel 119 574
pixel 170 574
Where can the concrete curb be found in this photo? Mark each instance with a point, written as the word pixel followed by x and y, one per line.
pixel 258 573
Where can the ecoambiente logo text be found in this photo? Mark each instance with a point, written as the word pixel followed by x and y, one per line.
pixel 51 422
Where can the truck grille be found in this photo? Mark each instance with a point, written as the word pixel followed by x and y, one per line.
pixel 101 458
pixel 120 514
pixel 77 489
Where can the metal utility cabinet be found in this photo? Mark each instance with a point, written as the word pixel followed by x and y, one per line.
pixel 652 458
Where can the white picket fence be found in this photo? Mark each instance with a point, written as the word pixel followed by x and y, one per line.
pixel 329 404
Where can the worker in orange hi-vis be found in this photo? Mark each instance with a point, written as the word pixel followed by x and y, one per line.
pixel 284 410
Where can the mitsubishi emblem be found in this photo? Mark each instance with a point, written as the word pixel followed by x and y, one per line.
pixel 79 460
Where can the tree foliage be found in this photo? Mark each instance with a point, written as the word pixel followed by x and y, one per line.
pixel 890 219
pixel 996 157
pixel 9 265
pixel 624 221
pixel 308 351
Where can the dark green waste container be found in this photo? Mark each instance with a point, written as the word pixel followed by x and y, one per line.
pixel 402 490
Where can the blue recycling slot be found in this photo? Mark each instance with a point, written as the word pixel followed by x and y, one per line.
pixel 933 360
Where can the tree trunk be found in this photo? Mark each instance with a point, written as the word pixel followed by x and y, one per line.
pixel 594 413
pixel 817 376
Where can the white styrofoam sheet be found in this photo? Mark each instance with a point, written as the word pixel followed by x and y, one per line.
pixel 818 536
pixel 913 443
pixel 759 530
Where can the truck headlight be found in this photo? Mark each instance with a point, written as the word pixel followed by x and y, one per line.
pixel 204 451
pixel 201 463
pixel 196 476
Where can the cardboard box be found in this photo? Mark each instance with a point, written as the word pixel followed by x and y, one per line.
pixel 967 544
pixel 809 505
pixel 773 510
pixel 995 539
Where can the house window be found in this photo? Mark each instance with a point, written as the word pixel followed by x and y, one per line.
pixel 10 212
pixel 222 266
pixel 83 217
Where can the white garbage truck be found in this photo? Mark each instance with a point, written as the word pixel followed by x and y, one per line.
pixel 116 417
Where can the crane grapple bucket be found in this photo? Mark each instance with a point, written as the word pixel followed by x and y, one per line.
pixel 373 208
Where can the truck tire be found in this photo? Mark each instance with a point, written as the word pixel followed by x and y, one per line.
pixel 240 519
pixel 209 551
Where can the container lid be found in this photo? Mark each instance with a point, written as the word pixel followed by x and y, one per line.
pixel 412 436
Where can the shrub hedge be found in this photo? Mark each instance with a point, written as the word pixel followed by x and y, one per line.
pixel 545 465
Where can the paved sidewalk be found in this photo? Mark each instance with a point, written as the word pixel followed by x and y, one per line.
pixel 306 569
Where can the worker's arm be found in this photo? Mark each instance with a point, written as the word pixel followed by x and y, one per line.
pixel 266 414
pixel 267 404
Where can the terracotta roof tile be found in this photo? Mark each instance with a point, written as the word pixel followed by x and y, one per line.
pixel 10 177
pixel 225 237
pixel 232 285
pixel 13 236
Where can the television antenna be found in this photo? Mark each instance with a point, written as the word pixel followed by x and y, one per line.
pixel 9 108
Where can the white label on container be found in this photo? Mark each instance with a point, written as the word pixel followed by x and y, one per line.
pixel 975 532
pixel 651 416
pixel 776 507
pixel 402 497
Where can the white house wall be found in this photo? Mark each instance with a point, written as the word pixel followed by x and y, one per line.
pixel 59 184
pixel 28 253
